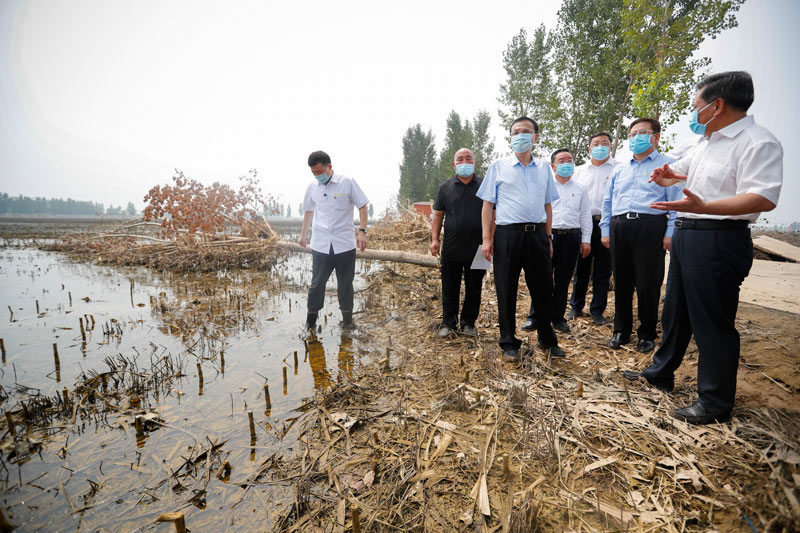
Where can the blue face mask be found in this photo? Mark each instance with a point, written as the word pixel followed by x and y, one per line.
pixel 696 127
pixel 522 142
pixel 640 143
pixel 323 178
pixel 465 170
pixel 565 170
pixel 600 152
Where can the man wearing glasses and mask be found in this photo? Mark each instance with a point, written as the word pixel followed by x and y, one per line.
pixel 734 174
pixel 521 188
pixel 637 234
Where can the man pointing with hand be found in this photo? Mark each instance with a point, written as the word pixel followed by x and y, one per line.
pixel 732 175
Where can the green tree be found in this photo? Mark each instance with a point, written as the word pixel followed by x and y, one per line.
pixel 288 211
pixel 482 143
pixel 131 209
pixel 418 168
pixel 663 36
pixel 457 135
pixel 591 87
pixel 529 89
pixel 370 211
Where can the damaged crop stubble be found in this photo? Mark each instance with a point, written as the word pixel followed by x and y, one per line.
pixel 438 435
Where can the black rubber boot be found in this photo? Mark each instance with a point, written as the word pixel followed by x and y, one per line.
pixel 311 320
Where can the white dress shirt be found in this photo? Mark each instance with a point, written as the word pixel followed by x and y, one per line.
pixel 571 210
pixel 332 205
pixel 742 157
pixel 594 180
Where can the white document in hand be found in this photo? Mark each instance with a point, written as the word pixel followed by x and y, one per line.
pixel 480 262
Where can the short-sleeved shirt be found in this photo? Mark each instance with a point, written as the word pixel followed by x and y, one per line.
pixel 594 179
pixel 518 192
pixel 741 158
pixel 462 218
pixel 629 191
pixel 333 205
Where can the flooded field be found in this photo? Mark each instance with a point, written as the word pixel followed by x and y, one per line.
pixel 191 355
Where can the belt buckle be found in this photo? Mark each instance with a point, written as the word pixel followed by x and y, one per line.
pixel 679 223
pixel 530 227
pixel 631 216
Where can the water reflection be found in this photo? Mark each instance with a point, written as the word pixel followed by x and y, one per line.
pixel 237 329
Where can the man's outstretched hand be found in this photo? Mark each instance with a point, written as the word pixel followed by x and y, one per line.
pixel 665 177
pixel 690 204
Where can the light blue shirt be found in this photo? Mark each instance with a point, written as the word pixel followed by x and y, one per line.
pixel 518 192
pixel 628 191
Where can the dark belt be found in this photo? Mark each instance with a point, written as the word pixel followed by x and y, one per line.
pixel 524 226
pixel 636 216
pixel 570 231
pixel 706 223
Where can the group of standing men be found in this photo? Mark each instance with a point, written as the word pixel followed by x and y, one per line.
pixel 586 222
pixel 621 216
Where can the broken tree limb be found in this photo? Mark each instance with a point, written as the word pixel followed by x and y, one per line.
pixel 381 255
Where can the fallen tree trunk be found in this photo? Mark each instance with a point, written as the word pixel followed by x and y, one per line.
pixel 381 255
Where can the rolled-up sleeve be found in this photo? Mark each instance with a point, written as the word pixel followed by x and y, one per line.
pixel 761 171
pixel 488 188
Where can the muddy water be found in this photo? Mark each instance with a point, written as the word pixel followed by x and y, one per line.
pixel 243 328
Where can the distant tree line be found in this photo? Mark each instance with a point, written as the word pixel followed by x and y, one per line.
pixel 26 205
pixel 423 169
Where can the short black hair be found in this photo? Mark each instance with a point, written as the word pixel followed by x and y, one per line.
pixel 319 157
pixel 600 134
pixel 554 154
pixel 734 87
pixel 655 125
pixel 521 119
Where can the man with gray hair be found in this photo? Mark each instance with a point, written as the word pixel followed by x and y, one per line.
pixel 458 206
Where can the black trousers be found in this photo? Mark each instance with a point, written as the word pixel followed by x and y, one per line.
pixel 452 273
pixel 706 269
pixel 322 266
pixel 566 249
pixel 516 250
pixel 637 257
pixel 596 265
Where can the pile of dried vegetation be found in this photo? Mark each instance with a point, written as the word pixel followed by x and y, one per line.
pixel 187 226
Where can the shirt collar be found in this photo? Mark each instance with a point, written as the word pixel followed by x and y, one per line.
pixel 518 162
pixel 334 178
pixel 651 155
pixel 457 181
pixel 732 130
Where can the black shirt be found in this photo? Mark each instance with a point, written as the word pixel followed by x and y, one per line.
pixel 462 218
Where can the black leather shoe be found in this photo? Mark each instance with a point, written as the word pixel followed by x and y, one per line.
pixel 630 375
pixel 645 346
pixel 511 355
pixel 599 320
pixel 618 339
pixel 572 314
pixel 553 351
pixel 529 325
pixel 561 325
pixel 697 414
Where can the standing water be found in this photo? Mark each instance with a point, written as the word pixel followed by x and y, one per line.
pixel 199 354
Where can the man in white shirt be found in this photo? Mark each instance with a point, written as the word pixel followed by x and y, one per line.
pixel 731 177
pixel 329 203
pixel 572 232
pixel 593 176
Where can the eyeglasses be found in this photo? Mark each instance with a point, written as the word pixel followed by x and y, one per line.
pixel 633 134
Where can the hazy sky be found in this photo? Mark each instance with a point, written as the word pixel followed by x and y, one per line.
pixel 102 99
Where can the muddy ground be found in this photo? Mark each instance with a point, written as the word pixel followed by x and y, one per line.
pixel 426 434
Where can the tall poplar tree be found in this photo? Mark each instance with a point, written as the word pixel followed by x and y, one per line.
pixel 418 169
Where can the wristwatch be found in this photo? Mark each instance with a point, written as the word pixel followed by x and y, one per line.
pixel 362 229
pixel 550 236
